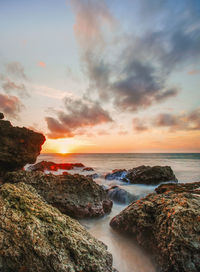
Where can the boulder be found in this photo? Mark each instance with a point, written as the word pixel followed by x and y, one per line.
pixel 52 166
pixel 18 146
pixel 35 236
pixel 117 174
pixel 93 176
pixel 150 175
pixel 120 195
pixel 74 195
pixel 88 169
pixel 166 223
pixel 1 115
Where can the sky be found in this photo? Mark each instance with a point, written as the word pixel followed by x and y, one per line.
pixel 103 76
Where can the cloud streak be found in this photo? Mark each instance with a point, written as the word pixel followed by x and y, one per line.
pixel 10 105
pixel 79 114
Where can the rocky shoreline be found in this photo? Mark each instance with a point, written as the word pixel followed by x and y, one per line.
pixel 38 226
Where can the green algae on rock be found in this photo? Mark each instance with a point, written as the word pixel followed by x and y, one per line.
pixel 35 236
pixel 168 224
pixel 74 195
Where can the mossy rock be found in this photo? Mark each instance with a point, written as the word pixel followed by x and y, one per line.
pixel 36 237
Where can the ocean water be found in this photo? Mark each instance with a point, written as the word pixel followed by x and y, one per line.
pixel 127 255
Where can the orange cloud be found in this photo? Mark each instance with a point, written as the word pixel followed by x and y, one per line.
pixel 193 72
pixel 42 64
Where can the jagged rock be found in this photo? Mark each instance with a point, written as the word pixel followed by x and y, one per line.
pixel 52 166
pixel 74 195
pixel 120 195
pixel 18 146
pixel 150 175
pixel 93 176
pixel 168 224
pixel 1 115
pixel 117 174
pixel 88 169
pixel 35 236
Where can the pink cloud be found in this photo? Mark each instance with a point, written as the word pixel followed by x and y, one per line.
pixel 42 64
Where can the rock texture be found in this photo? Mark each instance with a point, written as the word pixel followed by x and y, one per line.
pixel 1 115
pixel 52 166
pixel 117 174
pixel 167 223
pixel 18 146
pixel 74 195
pixel 88 169
pixel 120 195
pixel 35 236
pixel 150 175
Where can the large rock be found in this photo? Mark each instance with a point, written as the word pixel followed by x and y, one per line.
pixel 52 166
pixel 118 174
pixel 74 195
pixel 18 146
pixel 121 196
pixel 167 223
pixel 1 115
pixel 150 175
pixel 35 236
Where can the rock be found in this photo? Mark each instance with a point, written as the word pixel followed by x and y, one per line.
pixel 168 224
pixel 150 175
pixel 93 176
pixel 18 146
pixel 52 166
pixel 35 236
pixel 1 115
pixel 74 195
pixel 120 195
pixel 88 169
pixel 117 174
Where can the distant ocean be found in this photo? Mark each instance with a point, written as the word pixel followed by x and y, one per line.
pixel 185 165
pixel 127 255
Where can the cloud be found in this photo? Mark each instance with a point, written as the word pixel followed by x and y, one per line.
pixel 136 77
pixel 194 72
pixel 10 105
pixel 42 64
pixel 185 121
pixel 91 17
pixel 13 79
pixel 139 125
pixel 79 114
pixel 16 69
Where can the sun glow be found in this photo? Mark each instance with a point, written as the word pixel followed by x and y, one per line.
pixel 63 150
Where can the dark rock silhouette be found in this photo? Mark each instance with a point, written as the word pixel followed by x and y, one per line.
pixel 150 175
pixel 18 146
pixel 168 224
pixel 52 166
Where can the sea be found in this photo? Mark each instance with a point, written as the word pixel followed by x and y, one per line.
pixel 128 256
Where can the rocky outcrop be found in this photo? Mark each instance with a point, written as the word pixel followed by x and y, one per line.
pixel 120 195
pixel 150 175
pixel 52 166
pixel 167 223
pixel 88 169
pixel 1 115
pixel 18 146
pixel 118 174
pixel 93 176
pixel 35 236
pixel 74 195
